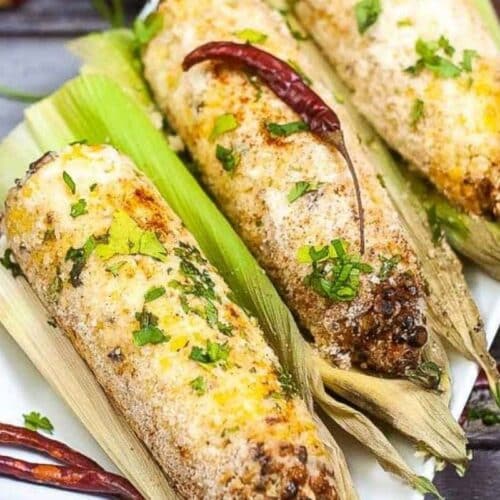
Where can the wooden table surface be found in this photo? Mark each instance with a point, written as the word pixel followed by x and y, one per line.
pixel 33 58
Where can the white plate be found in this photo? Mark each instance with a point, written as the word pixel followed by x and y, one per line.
pixel 22 390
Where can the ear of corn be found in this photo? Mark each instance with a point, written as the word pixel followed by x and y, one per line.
pixel 452 312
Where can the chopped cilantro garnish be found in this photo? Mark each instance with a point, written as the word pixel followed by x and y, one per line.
pixel 127 238
pixel 214 353
pixel 149 333
pixel 93 187
pixel 296 67
pixel 467 57
pixel 335 273
pixel 79 257
pixel 154 293
pixel 251 36
pixel 223 123
pixel 35 421
pixel 199 385
pixel 388 265
pixel 286 129
pixel 300 189
pixel 79 208
pixel 367 12
pixel 431 60
pixel 115 268
pixel 288 386
pixel 11 264
pixel 69 182
pixel 228 158
pixel 146 29
pixel 441 217
pixel 417 112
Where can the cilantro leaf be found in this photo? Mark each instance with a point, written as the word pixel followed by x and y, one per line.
pixel 467 57
pixel 154 293
pixel 79 257
pixel 69 182
pixel 251 36
pixel 149 335
pixel 300 189
pixel 367 12
pixel 127 238
pixel 417 112
pixel 79 208
pixel 214 353
pixel 198 385
pixel 286 129
pixel 228 158
pixel 35 421
pixel 223 123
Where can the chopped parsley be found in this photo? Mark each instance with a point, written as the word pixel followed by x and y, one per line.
pixel 199 385
pixel 79 208
pixel 288 386
pixel 467 57
pixel 442 217
pixel 300 189
pixel 441 66
pixel 417 112
pixel 154 293
pixel 214 353
pixel 114 269
pixel 198 284
pixel 228 158
pixel 35 421
pixel 388 264
pixel 335 273
pixel 125 237
pixel 251 36
pixel 79 257
pixel 286 129
pixel 146 29
pixel 367 12
pixel 296 67
pixel 149 333
pixel 10 264
pixel 69 182
pixel 223 123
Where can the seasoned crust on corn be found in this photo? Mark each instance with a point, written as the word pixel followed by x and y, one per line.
pixel 382 329
pixel 239 432
pixel 456 142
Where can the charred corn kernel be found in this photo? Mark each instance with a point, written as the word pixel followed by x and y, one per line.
pixel 460 87
pixel 180 382
pixel 284 193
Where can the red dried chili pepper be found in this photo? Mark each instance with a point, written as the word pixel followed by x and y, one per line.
pixel 19 436
pixel 69 478
pixel 81 474
pixel 287 84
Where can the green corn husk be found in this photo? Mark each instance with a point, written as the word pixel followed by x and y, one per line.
pixel 436 354
pixel 94 108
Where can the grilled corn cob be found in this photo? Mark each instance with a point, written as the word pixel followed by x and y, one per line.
pixel 382 328
pixel 188 368
pixel 427 75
